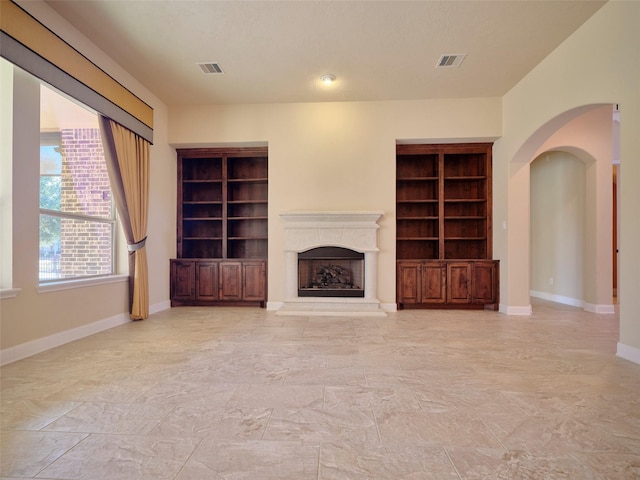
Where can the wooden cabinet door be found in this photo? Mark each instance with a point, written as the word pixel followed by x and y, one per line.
pixel 254 284
pixel 409 282
pixel 434 281
pixel 230 281
pixel 207 284
pixel 183 278
pixel 459 282
pixel 485 282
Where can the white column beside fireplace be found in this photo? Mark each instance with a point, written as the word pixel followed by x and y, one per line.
pixel 353 230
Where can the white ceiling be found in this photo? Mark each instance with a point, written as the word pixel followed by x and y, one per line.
pixel 276 51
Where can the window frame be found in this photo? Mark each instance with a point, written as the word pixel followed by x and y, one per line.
pixel 54 138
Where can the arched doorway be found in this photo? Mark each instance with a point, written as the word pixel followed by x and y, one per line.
pixel 585 132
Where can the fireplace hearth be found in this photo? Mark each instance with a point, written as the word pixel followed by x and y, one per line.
pixel 330 272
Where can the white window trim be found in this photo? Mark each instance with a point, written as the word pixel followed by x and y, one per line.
pixel 80 283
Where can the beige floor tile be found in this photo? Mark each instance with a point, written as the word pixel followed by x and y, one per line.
pixel 325 376
pixel 485 464
pixel 251 460
pixel 202 421
pixel 32 414
pixel 19 386
pixel 340 461
pixel 613 466
pixel 434 430
pixel 24 454
pixel 469 400
pixel 123 391
pixel 118 457
pixel 114 418
pixel 376 399
pixel 625 428
pixel 278 396
pixel 561 433
pixel 317 425
pixel 174 393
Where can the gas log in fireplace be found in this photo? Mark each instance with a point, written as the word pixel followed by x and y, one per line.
pixel 330 272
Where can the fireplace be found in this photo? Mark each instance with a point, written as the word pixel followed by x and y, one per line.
pixel 343 280
pixel 330 272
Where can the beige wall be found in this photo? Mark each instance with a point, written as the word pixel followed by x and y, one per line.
pixel 335 156
pixel 597 65
pixel 558 227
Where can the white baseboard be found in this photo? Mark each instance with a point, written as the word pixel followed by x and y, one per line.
pixel 27 349
pixel 515 310
pixel 274 305
pixel 552 297
pixel 604 309
pixel 39 345
pixel 389 307
pixel 574 302
pixel 629 353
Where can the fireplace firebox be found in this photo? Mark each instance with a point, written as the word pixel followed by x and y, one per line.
pixel 330 272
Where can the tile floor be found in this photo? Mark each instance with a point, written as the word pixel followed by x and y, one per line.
pixel 240 393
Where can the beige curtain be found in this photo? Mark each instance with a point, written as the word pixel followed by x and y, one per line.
pixel 127 157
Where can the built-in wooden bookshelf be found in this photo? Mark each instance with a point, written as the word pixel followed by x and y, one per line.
pixel 221 226
pixel 443 214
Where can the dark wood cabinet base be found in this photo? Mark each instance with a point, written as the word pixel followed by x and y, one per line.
pixel 215 282
pixel 468 284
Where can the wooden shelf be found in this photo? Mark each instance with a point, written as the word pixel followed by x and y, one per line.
pixel 417 179
pixel 416 239
pixel 464 178
pixel 247 180
pixel 202 238
pixel 449 239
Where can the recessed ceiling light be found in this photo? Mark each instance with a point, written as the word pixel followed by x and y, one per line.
pixel 328 79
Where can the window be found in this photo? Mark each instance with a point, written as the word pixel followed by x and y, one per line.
pixel 77 217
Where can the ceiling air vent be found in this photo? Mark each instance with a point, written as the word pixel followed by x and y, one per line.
pixel 210 68
pixel 451 60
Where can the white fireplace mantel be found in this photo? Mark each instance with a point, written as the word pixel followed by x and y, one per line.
pixel 356 230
